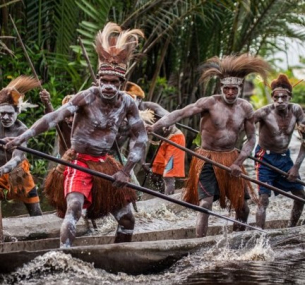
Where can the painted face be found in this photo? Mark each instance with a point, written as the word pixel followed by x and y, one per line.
pixel 8 115
pixel 281 99
pixel 230 93
pixel 109 86
pixel 69 120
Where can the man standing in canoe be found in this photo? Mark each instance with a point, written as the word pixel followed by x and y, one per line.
pixel 277 122
pixel 99 111
pixel 224 116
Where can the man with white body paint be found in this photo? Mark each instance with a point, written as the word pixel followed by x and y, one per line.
pixel 16 181
pixel 98 113
pixel 223 117
pixel 277 122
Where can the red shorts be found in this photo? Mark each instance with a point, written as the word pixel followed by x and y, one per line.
pixel 79 181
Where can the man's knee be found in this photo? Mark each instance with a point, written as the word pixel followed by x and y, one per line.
pixel 75 204
pixel 33 209
pixel 264 200
pixel 206 203
pixel 125 217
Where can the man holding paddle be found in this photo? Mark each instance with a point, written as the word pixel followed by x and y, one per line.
pixel 224 116
pixel 277 122
pixel 99 111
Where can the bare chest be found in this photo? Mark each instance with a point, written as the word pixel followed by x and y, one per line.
pixel 10 132
pixel 281 124
pixel 103 118
pixel 222 117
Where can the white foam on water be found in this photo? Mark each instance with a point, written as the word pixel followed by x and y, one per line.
pixel 56 267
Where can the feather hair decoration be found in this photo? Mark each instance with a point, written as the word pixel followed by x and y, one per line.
pixel 115 47
pixel 23 83
pixel 147 116
pixel 280 83
pixel 24 105
pixel 234 66
pixel 13 93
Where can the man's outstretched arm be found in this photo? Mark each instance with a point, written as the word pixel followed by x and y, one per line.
pixel 17 157
pixel 178 115
pixel 50 120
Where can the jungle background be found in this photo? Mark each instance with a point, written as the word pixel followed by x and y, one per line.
pixel 179 36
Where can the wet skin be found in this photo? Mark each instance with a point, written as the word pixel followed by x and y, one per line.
pixel 277 122
pixel 223 118
pixel 11 127
pixel 99 111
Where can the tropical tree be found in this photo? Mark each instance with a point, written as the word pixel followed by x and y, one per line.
pixel 180 34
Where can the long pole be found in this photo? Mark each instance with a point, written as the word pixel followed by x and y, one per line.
pixel 36 76
pixel 85 54
pixel 128 184
pixel 285 174
pixel 229 170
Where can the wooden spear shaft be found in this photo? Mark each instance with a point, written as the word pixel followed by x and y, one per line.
pixel 229 170
pixel 36 76
pixel 85 54
pixel 128 184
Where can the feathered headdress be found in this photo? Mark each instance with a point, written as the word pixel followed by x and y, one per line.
pixel 115 48
pixel 13 93
pixel 134 90
pixel 281 83
pixel 233 69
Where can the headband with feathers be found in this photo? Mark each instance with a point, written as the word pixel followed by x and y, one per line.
pixel 13 93
pixel 233 69
pixel 281 83
pixel 115 48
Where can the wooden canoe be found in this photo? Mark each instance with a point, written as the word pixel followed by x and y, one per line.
pixel 150 252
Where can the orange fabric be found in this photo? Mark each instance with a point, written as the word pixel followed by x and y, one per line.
pixel 169 161
pixel 18 191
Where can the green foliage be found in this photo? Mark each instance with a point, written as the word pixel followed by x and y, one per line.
pixel 39 167
pixel 260 96
pixel 197 140
pixel 94 19
pixel 165 94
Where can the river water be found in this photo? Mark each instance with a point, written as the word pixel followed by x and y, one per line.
pixel 261 261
